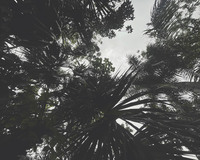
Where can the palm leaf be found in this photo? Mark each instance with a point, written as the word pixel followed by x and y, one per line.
pixel 93 133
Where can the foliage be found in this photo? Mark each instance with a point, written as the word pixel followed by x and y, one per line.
pixel 87 126
pixel 60 97
pixel 38 39
pixel 175 26
pixel 68 20
pixel 173 60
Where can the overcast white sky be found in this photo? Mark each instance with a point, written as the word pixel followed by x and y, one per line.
pixel 124 44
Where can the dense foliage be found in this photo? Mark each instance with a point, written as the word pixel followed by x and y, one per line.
pixel 60 100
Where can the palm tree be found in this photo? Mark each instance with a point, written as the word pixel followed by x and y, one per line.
pixel 175 26
pixel 88 109
pixel 77 116
pixel 87 126
pixel 39 23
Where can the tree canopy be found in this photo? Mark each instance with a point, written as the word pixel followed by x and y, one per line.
pixel 60 100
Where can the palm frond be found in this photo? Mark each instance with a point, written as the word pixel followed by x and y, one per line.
pixel 92 132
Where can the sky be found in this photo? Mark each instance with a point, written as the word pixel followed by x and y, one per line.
pixel 117 49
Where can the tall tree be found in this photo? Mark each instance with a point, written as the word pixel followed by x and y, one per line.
pixel 87 127
pixel 38 38
pixel 175 27
pixel 72 112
